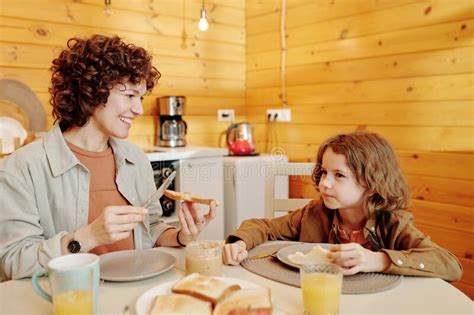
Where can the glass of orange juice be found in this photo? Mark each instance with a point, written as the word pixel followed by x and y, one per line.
pixel 321 286
pixel 73 282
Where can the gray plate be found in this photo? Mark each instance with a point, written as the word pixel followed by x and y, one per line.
pixel 134 265
pixel 283 253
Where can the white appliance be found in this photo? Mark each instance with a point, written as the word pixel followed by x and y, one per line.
pixel 199 171
pixel 244 188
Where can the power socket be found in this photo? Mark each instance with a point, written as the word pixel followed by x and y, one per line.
pixel 225 115
pixel 280 115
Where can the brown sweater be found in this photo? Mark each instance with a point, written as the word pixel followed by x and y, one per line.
pixel 411 252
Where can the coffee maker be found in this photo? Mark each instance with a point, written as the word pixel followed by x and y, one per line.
pixel 172 130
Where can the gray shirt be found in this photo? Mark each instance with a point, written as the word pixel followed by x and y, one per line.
pixel 44 195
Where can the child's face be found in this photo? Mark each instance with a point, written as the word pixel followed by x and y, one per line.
pixel 339 187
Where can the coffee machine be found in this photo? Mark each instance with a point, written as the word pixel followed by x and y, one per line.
pixel 172 130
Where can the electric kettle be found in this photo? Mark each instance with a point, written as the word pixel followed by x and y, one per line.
pixel 239 139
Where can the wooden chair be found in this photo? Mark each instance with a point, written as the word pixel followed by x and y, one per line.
pixel 273 205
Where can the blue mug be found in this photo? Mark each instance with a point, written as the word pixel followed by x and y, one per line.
pixel 74 281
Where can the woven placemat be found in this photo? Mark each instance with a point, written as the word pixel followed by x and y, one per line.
pixel 272 268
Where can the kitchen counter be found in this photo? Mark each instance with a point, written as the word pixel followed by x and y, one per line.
pixel 188 152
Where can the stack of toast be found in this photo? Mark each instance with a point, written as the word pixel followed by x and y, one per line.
pixel 198 294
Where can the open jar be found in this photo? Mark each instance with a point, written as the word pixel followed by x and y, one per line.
pixel 204 257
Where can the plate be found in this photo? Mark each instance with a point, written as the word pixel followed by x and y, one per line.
pixel 133 265
pixel 283 253
pixel 10 128
pixel 145 301
pixel 21 94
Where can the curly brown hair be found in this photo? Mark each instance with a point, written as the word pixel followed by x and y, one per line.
pixel 84 73
pixel 374 164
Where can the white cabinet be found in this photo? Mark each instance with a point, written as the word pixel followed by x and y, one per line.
pixel 204 177
pixel 244 188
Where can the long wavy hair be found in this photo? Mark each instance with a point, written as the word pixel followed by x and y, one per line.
pixel 374 164
pixel 84 73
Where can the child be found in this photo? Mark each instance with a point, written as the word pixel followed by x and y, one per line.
pixel 363 209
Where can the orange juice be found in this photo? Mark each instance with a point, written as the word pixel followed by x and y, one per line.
pixel 321 293
pixel 73 303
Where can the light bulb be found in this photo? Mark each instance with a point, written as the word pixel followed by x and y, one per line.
pixel 203 25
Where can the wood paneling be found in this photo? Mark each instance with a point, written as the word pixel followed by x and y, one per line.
pixel 207 67
pixel 421 113
pixel 53 34
pixel 446 35
pixel 403 69
pixel 78 13
pixel 401 137
pixel 431 63
pixel 433 88
pixel 264 16
pixel 351 21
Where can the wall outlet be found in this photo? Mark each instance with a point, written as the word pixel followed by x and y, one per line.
pixel 281 115
pixel 225 115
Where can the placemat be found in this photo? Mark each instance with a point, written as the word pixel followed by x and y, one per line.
pixel 271 268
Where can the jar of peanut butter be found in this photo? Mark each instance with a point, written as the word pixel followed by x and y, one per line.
pixel 204 257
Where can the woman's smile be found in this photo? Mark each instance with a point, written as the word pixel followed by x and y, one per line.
pixel 126 120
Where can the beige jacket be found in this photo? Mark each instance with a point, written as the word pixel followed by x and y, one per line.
pixel 411 252
pixel 44 195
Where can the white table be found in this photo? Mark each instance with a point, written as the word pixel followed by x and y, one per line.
pixel 413 295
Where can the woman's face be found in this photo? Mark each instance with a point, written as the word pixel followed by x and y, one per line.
pixel 339 187
pixel 123 106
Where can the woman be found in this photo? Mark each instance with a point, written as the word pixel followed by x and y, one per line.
pixel 79 189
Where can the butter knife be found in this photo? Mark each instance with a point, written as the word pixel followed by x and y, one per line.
pixel 263 255
pixel 155 197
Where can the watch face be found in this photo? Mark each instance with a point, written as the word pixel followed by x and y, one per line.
pixel 74 247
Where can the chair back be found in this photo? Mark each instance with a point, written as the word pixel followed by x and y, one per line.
pixel 273 170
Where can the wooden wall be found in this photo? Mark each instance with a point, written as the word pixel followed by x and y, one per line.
pixel 402 68
pixel 209 71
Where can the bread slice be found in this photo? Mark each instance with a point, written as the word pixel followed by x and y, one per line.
pixel 317 255
pixel 177 196
pixel 252 301
pixel 205 288
pixel 180 304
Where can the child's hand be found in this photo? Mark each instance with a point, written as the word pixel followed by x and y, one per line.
pixel 354 258
pixel 234 253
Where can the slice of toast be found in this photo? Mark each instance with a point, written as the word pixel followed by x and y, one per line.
pixel 205 288
pixel 317 255
pixel 180 304
pixel 177 196
pixel 251 301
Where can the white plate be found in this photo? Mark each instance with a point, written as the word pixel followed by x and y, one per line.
pixel 9 129
pixel 283 253
pixel 145 301
pixel 133 265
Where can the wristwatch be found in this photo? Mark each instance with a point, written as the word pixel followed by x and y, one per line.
pixel 74 246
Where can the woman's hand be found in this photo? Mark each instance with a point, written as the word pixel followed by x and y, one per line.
pixel 354 258
pixel 234 253
pixel 192 222
pixel 113 224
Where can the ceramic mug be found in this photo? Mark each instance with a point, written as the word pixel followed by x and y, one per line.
pixel 74 281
